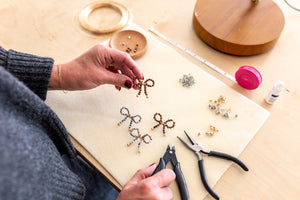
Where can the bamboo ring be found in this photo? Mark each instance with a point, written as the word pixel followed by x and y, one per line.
pixel 89 8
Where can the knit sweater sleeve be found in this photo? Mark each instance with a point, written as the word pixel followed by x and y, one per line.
pixel 33 71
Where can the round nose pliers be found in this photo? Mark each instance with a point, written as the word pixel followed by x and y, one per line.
pixel 198 150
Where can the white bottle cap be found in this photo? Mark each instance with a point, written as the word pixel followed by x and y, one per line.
pixel 278 87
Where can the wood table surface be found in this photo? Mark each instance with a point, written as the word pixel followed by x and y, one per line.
pixel 272 155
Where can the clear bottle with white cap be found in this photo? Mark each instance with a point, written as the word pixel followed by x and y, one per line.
pixel 275 92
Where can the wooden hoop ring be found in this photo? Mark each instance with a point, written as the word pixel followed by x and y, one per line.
pixel 89 8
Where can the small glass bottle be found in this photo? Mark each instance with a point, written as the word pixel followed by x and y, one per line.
pixel 275 92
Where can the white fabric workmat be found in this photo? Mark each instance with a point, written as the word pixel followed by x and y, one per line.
pixel 92 116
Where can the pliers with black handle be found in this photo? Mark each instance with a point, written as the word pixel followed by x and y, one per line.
pixel 197 150
pixel 171 156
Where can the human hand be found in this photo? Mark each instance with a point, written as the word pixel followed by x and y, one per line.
pixel 97 66
pixel 143 186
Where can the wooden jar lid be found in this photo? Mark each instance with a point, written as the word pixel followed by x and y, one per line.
pixel 238 27
pixel 129 41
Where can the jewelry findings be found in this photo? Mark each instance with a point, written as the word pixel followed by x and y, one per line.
pixel 167 124
pixel 133 118
pixel 128 50
pixel 143 84
pixel 137 136
pixel 187 80
pixel 219 107
pixel 212 130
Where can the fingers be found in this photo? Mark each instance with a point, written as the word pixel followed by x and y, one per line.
pixel 164 178
pixel 125 70
pixel 121 60
pixel 144 173
pixel 119 80
pixel 166 193
pixel 144 186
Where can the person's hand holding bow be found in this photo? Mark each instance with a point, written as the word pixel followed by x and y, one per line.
pixel 97 66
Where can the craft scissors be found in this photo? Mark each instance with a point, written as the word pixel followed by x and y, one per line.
pixel 198 150
pixel 171 156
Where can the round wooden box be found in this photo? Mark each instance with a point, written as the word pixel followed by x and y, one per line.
pixel 238 27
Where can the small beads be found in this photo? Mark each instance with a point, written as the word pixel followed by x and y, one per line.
pixel 212 130
pixel 129 49
pixel 187 80
pixel 218 106
pixel 136 48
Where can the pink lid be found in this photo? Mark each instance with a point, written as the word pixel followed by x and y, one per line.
pixel 248 77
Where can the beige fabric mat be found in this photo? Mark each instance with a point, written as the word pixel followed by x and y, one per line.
pixel 92 116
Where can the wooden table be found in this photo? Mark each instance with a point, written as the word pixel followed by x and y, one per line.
pixel 272 155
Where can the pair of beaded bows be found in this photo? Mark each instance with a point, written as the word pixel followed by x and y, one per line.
pixel 135 133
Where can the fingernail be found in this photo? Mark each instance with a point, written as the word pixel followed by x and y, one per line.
pixel 142 76
pixel 118 88
pixel 128 84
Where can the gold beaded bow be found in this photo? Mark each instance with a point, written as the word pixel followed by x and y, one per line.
pixel 164 124
pixel 148 83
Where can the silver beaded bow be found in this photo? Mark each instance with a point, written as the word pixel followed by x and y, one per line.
pixel 142 138
pixel 133 118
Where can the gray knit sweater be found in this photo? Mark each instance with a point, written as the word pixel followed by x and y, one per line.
pixel 37 159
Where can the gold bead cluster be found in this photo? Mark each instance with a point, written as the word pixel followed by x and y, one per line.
pixel 212 131
pixel 218 106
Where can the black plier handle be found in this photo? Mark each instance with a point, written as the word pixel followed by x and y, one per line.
pixel 227 157
pixel 198 150
pixel 219 155
pixel 170 155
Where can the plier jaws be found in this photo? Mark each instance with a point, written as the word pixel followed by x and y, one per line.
pixel 171 156
pixel 197 149
pixel 194 146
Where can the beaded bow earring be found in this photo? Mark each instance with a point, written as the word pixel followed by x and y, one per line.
pixel 133 118
pixel 167 124
pixel 143 84
pixel 137 136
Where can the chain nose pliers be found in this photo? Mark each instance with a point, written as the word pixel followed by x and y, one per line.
pixel 198 150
